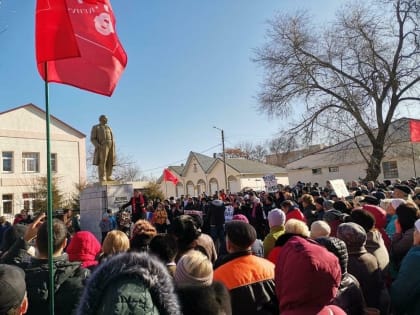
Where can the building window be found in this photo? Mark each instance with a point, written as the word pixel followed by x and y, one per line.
pixel 30 162
pixel 390 169
pixel 54 162
pixel 28 201
pixel 333 169
pixel 7 204
pixel 317 171
pixel 7 161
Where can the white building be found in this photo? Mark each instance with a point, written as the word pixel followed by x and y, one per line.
pixel 344 161
pixel 24 156
pixel 205 174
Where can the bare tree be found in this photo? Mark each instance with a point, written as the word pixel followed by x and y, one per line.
pixel 247 150
pixel 351 75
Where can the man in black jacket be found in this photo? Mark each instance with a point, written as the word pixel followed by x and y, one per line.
pixel 69 276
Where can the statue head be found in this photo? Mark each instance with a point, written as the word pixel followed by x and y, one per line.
pixel 103 119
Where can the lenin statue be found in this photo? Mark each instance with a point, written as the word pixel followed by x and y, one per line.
pixel 104 156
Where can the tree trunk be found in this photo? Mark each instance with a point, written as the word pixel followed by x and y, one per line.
pixel 374 166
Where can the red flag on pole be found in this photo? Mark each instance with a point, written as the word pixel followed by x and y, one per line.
pixel 169 177
pixel 77 38
pixel 415 130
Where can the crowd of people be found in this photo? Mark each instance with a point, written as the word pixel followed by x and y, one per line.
pixel 301 250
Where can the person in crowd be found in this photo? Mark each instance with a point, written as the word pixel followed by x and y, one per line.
pixel 69 276
pixel 319 228
pixel 309 208
pixel 405 290
pixel 319 208
pixel 302 260
pixel 194 282
pixel 4 225
pixel 160 218
pixel 13 299
pixel 216 218
pixel 256 217
pixel 402 192
pixel 165 247
pixel 334 218
pixel 138 206
pixel 105 225
pixel 374 242
pixel 402 240
pixel 205 241
pixel 114 243
pixel 124 222
pixel 185 230
pixel 276 221
pixel 364 266
pixel 292 211
pixel 292 228
pixel 249 279
pixel 257 248
pixel 21 217
pixel 143 233
pixel 130 283
pixel 84 247
pixel 349 296
pixel 11 235
pixel 391 213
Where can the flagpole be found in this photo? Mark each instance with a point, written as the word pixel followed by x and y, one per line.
pixel 414 159
pixel 49 197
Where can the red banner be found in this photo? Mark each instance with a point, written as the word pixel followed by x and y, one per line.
pixel 415 130
pixel 169 177
pixel 78 41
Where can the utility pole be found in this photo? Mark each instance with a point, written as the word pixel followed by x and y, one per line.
pixel 224 157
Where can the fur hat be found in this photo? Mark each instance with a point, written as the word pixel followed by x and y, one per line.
pixel 276 217
pixel 352 234
pixel 404 188
pixel 240 233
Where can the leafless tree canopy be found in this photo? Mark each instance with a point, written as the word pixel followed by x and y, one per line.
pixel 351 75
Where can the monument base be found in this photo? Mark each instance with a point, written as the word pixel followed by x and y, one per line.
pixel 95 200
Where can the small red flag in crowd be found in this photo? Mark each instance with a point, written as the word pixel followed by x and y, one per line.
pixel 169 177
pixel 415 130
pixel 77 40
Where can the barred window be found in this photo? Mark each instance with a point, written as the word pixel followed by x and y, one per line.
pixel 390 169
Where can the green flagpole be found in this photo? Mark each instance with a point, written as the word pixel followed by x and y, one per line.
pixel 49 198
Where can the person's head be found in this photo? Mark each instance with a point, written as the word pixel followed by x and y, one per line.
pixel 185 231
pixel 143 233
pixel 84 247
pixel 59 232
pixel 194 268
pixel 164 246
pixel 287 205
pixel 239 236
pixel 276 217
pixel 319 203
pixel 13 300
pixel 115 242
pixel 407 214
pixel 11 235
pixel 353 235
pixel 307 200
pixel 364 218
pixel 294 226
pixel 103 119
pixel 320 228
pixel 338 248
pixel 402 191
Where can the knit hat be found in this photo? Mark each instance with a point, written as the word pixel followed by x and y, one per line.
pixel 194 268
pixel 240 233
pixel 396 202
pixel 13 287
pixel 240 217
pixel 352 234
pixel 276 217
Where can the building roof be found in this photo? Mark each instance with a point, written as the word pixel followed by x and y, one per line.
pixel 177 169
pixel 245 166
pixel 347 152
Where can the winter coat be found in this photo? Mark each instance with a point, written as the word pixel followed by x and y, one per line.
pixel 250 280
pixel 68 286
pixel 401 244
pixel 271 238
pixel 84 247
pixel 303 261
pixel 405 290
pixel 376 246
pixel 380 222
pixel 129 283
pixel 204 300
pixel 216 213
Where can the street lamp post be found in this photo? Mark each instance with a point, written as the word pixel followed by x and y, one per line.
pixel 224 157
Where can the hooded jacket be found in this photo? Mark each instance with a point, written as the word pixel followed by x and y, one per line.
pixel 130 283
pixel 84 247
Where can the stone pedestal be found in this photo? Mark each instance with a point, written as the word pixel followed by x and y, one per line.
pixel 95 200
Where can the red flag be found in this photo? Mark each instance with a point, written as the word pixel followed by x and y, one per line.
pixel 415 130
pixel 78 41
pixel 169 177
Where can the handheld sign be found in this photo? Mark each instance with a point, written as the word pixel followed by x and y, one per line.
pixel 340 188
